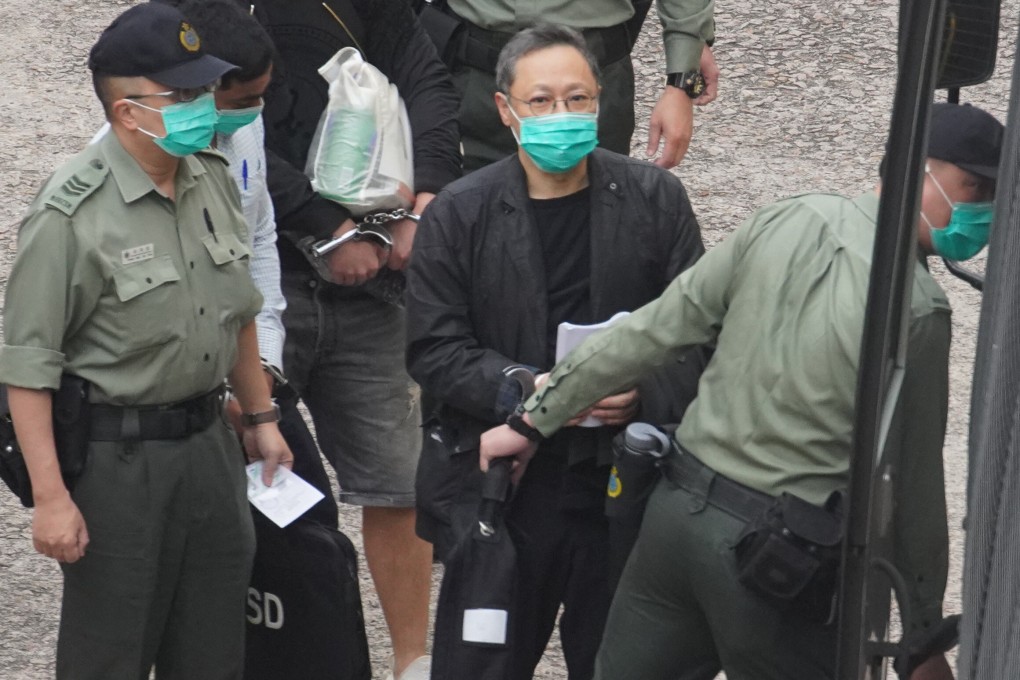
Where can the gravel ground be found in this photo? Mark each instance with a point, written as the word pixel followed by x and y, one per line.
pixel 803 106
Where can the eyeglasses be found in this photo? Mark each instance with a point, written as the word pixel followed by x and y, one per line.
pixel 180 96
pixel 542 105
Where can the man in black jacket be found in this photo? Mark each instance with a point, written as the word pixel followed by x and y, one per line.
pixel 344 349
pixel 558 232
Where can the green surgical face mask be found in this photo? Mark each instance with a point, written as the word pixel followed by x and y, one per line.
pixel 189 126
pixel 557 142
pixel 229 121
pixel 967 231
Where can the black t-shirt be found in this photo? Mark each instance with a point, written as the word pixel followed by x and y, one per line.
pixel 564 228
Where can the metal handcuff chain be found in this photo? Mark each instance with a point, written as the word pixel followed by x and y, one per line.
pixel 370 228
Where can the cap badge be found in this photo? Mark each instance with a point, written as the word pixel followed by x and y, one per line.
pixel 189 38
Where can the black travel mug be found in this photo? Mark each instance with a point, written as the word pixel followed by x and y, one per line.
pixel 637 452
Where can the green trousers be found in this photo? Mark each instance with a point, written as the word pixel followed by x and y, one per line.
pixel 164 578
pixel 487 140
pixel 679 611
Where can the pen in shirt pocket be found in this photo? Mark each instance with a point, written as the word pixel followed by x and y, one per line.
pixel 209 224
pixel 244 174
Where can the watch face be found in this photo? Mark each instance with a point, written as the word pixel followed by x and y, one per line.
pixel 691 82
pixel 695 85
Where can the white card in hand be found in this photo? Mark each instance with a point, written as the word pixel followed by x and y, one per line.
pixel 287 499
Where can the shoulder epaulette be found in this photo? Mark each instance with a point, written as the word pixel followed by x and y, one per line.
pixel 209 151
pixel 68 196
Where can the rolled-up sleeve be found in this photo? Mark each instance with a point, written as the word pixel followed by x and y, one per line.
pixel 48 293
pixel 687 25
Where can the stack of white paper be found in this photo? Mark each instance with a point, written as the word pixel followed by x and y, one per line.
pixel 570 335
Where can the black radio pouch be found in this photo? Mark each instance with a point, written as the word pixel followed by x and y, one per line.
pixel 71 430
pixel 790 554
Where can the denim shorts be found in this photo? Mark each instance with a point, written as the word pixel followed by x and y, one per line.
pixel 345 356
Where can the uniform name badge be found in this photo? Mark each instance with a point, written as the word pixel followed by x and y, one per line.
pixel 137 254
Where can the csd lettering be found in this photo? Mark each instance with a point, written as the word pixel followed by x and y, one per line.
pixel 264 609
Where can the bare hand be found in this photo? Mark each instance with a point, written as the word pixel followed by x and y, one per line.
pixel 935 668
pixel 618 409
pixel 355 262
pixel 403 233
pixel 673 122
pixel 500 442
pixel 710 70
pixel 58 530
pixel 264 442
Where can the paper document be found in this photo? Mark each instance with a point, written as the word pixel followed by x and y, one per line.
pixel 570 335
pixel 287 499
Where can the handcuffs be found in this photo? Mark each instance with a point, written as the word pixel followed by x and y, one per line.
pixel 370 228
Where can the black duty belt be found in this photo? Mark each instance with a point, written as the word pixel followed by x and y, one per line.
pixel 692 475
pixel 169 421
pixel 480 48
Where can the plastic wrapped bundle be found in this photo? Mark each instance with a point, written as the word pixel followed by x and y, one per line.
pixel 361 154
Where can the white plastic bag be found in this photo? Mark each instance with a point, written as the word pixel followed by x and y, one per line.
pixel 361 154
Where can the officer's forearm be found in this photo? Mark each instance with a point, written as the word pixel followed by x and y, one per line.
pixel 247 378
pixel 32 413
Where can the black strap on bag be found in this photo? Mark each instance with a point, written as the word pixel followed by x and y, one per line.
pixel 71 429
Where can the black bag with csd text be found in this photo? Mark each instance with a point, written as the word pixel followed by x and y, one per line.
pixel 790 554
pixel 304 612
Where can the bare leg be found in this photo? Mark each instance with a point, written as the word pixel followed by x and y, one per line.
pixel 401 568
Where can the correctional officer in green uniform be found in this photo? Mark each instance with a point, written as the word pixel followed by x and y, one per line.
pixel 783 299
pixel 610 29
pixel 132 274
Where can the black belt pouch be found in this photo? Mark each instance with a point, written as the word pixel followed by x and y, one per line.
pixel 72 420
pixel 790 554
pixel 71 429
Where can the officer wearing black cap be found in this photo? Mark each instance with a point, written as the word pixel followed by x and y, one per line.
pixel 132 276
pixel 708 585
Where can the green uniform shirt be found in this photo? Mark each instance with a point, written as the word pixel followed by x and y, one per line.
pixel 686 24
pixel 783 298
pixel 114 282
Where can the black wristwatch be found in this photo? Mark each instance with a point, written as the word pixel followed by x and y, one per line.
pixel 691 82
pixel 516 423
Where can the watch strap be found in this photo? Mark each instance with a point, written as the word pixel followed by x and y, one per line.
pixel 691 82
pixel 270 416
pixel 515 421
